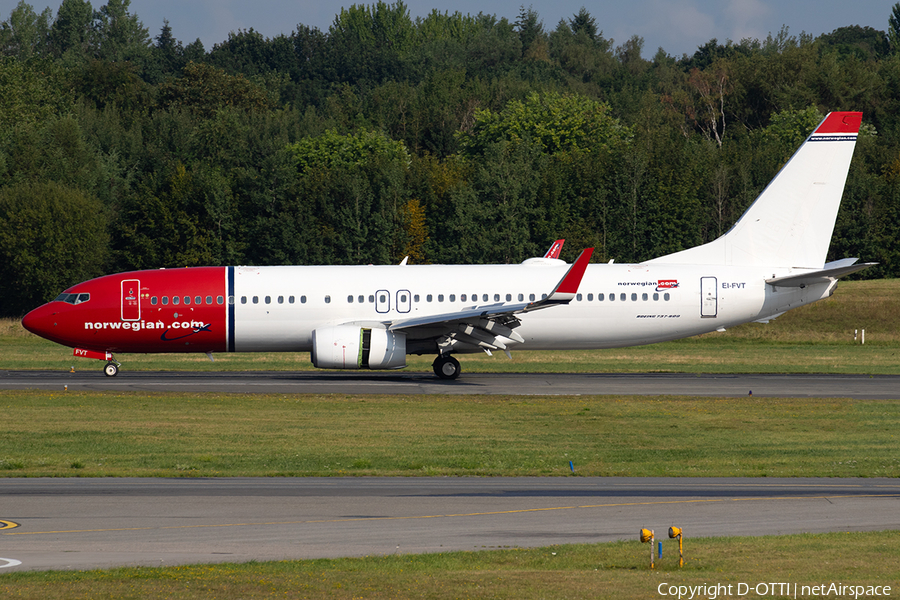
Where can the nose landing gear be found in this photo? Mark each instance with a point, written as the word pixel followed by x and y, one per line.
pixel 446 367
pixel 112 365
pixel 111 369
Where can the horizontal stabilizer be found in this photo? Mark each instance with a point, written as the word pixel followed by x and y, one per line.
pixel 832 271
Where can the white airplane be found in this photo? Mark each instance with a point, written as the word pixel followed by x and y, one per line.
pixel 371 317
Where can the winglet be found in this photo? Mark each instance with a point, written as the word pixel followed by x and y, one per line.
pixel 568 285
pixel 555 249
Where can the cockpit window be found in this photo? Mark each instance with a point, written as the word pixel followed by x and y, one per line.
pixel 72 298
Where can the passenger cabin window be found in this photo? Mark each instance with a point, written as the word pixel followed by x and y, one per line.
pixel 452 297
pixel 280 299
pixel 302 299
pixel 327 299
pixel 165 300
pixel 268 299
pixel 243 299
pixel 600 297
pixel 255 299
pixel 187 300
pixel 176 300
pixel 290 299
pixel 199 300
pixel 219 300
pixel 462 297
pixel 154 300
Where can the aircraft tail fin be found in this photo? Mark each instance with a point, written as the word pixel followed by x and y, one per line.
pixel 791 222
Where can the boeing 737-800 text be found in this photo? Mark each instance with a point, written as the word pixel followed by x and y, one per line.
pixel 371 317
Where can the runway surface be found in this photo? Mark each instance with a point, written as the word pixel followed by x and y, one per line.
pixel 89 523
pixel 883 387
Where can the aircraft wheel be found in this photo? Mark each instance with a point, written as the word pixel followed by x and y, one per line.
pixel 110 370
pixel 446 367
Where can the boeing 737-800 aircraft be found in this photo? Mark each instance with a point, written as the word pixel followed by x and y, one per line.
pixel 371 317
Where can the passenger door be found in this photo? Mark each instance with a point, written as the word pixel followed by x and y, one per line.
pixel 131 300
pixel 709 300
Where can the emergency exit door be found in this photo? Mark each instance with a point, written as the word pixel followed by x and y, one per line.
pixel 709 300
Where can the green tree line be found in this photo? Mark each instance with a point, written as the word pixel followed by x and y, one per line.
pixel 451 138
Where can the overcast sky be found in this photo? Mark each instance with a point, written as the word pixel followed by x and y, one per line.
pixel 678 26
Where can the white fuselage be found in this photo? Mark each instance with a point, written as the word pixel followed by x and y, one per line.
pixel 277 308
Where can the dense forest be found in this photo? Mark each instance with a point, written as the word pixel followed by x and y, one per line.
pixel 449 139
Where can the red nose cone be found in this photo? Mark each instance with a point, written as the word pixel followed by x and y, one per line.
pixel 40 321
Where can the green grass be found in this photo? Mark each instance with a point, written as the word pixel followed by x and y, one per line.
pixel 173 434
pixel 616 570
pixel 812 339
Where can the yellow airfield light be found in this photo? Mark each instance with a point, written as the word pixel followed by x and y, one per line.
pixel 647 536
pixel 675 532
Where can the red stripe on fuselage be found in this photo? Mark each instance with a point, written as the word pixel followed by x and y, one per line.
pixel 98 324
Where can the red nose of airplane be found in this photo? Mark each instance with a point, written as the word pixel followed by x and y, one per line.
pixel 41 321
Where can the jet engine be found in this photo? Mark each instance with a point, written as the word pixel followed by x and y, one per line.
pixel 355 347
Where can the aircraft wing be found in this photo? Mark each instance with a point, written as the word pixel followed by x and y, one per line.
pixel 482 326
pixel 831 271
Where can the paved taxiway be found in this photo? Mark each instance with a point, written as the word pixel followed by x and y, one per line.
pixel 85 523
pixel 883 387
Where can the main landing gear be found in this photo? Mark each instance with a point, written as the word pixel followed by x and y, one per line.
pixel 446 367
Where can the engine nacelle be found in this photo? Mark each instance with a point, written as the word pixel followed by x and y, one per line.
pixel 355 347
